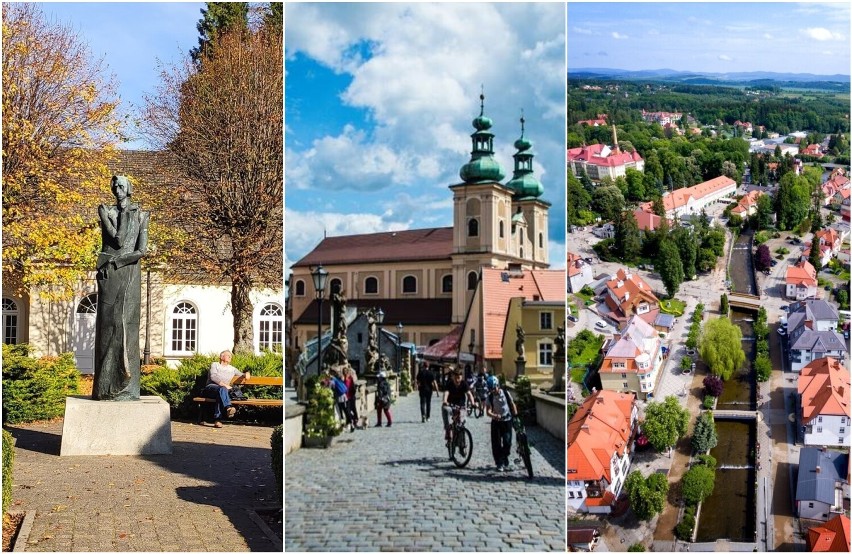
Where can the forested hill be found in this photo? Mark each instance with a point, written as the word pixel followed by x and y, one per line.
pixel 777 109
pixel 835 83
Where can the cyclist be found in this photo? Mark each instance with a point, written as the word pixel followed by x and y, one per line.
pixel 500 407
pixel 480 389
pixel 455 394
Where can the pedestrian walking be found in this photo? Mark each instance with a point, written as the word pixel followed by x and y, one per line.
pixel 425 385
pixel 383 399
pixel 338 387
pixel 351 381
pixel 500 407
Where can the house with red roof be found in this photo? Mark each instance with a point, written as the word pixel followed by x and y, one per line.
pixel 824 403
pixel 647 221
pixel 831 536
pixel 691 200
pixel 533 298
pixel 836 183
pixel 599 160
pixel 829 242
pixel 600 444
pixel 801 281
pixel 599 121
pixel 747 205
pixel 812 150
pixel 632 362
pixel 627 294
pixel 579 272
pixel 845 204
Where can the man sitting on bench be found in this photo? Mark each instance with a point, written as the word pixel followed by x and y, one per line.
pixel 219 386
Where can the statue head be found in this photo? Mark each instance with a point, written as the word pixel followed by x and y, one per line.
pixel 121 187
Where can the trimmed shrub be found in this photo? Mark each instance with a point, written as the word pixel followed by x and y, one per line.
pixel 636 547
pixel 277 443
pixel 8 459
pixel 708 402
pixel 35 388
pixel 684 529
pixel 763 367
pixel 713 385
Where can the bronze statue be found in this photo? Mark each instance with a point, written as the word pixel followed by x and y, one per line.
pixel 371 356
pixel 124 241
pixel 560 344
pixel 519 342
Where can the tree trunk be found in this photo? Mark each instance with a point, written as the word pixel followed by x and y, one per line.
pixel 241 310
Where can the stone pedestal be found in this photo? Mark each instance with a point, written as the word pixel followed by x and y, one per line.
pixel 520 367
pixel 98 428
pixel 558 376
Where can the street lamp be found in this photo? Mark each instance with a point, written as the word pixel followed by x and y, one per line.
pixel 320 276
pixel 380 317
pixel 398 346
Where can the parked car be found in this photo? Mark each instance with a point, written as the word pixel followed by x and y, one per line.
pixel 600 324
pixel 782 331
pixel 573 318
pixel 774 263
pixel 785 307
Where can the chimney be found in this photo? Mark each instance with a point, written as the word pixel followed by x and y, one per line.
pixel 818 469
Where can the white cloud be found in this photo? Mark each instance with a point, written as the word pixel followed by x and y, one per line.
pixel 767 36
pixel 618 36
pixel 725 58
pixel 582 31
pixel 821 34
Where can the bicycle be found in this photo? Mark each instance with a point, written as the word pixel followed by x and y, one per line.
pixel 475 408
pixel 522 445
pixel 460 443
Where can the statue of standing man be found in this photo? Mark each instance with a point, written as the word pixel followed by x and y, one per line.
pixel 124 240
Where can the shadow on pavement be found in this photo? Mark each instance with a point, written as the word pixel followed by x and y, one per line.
pixel 443 467
pixel 241 477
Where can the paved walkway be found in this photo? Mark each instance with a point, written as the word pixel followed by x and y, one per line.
pixel 196 499
pixel 395 489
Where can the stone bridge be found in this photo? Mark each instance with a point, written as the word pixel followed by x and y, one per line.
pixel 744 301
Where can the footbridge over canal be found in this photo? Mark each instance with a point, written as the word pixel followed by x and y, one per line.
pixel 744 301
pixel 735 414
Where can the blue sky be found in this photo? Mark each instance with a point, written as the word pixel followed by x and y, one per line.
pixel 810 37
pixel 131 38
pixel 379 104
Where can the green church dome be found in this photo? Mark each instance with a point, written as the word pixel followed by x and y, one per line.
pixel 524 183
pixel 482 165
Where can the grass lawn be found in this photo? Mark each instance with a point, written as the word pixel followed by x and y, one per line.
pixel 584 297
pixel 588 354
pixel 844 276
pixel 674 307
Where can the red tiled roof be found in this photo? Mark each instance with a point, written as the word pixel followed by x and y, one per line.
pixel 606 500
pixel 547 285
pixel 631 292
pixel 680 197
pixel 802 274
pixel 414 245
pixel 824 388
pixel 647 221
pixel 592 154
pixel 575 264
pixel 600 428
pixel 832 536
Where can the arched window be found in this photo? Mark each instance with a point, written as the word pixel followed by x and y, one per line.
pixel 89 304
pixel 10 321
pixel 270 328
pixel 472 278
pixel 502 229
pixel 371 285
pixel 473 228
pixel 409 284
pixel 300 288
pixel 184 328
pixel 447 283
pixel 336 285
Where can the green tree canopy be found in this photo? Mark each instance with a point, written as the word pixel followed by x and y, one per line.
pixel 670 266
pixel 647 496
pixel 698 483
pixel 665 423
pixel 721 348
pixel 608 202
pixel 704 436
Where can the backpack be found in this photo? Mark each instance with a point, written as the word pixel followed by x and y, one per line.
pixel 384 393
pixel 509 400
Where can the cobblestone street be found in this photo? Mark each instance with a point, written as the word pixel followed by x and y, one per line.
pixel 395 489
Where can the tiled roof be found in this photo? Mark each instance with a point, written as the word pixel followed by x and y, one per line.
pixel 593 155
pixel 447 348
pixel 638 338
pixel 600 428
pixel 630 290
pixel 832 536
pixel 747 202
pixel 499 287
pixel 408 311
pixel 802 273
pixel 680 197
pixel 414 245
pixel 819 342
pixel 575 264
pixel 647 221
pixel 824 388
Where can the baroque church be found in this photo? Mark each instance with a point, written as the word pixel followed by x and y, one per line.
pixel 430 280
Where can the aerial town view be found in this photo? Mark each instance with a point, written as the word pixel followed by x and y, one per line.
pixel 708 261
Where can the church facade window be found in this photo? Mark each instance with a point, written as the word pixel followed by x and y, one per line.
pixel 447 283
pixel 472 278
pixel 409 284
pixel 473 228
pixel 371 285
pixel 183 326
pixel 300 288
pixel 271 328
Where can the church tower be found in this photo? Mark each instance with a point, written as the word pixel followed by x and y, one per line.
pixel 530 213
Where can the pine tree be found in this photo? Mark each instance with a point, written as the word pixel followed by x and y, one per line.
pixel 217 18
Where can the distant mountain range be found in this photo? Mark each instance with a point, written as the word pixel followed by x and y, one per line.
pixel 694 77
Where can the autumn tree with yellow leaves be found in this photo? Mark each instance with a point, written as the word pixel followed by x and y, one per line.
pixel 221 123
pixel 60 128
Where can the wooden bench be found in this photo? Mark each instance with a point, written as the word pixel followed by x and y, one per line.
pixel 259 402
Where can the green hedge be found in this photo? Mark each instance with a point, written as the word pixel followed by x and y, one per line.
pixel 35 388
pixel 277 442
pixel 178 386
pixel 8 458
